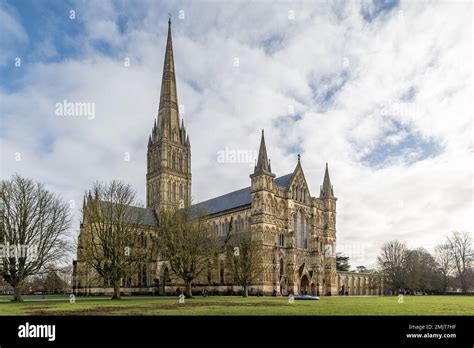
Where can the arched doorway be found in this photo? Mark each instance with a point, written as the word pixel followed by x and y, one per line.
pixel 156 286
pixel 283 290
pixel 304 284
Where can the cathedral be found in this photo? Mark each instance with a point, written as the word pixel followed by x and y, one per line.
pixel 299 230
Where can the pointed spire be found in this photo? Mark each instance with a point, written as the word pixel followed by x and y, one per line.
pixel 326 189
pixel 263 164
pixel 84 203
pixel 168 96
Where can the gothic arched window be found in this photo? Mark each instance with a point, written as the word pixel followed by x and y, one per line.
pixel 226 229
pixel 174 192
pixel 305 234
pixel 282 267
pixel 299 223
pixel 282 240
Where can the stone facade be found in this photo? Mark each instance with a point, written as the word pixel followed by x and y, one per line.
pixel 359 284
pixel 298 230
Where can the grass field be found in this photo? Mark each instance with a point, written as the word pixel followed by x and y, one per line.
pixel 220 305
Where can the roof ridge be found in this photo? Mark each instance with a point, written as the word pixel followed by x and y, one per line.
pixel 225 194
pixel 228 193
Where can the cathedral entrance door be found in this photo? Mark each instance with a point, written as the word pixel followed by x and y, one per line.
pixel 304 285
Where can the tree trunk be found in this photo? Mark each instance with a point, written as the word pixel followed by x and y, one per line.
pixel 245 292
pixel 17 294
pixel 116 295
pixel 463 285
pixel 189 292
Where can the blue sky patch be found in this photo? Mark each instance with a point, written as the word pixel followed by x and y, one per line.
pixel 377 7
pixel 286 121
pixel 52 37
pixel 272 44
pixel 409 95
pixel 326 88
pixel 294 148
pixel 401 144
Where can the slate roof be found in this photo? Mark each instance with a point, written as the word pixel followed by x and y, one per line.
pixel 215 205
pixel 225 202
pixel 233 199
pixel 149 216
pixel 284 180
pixel 146 216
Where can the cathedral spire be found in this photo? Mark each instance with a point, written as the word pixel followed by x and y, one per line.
pixel 168 179
pixel 263 164
pixel 326 189
pixel 169 96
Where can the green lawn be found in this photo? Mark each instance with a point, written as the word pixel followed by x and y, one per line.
pixel 220 305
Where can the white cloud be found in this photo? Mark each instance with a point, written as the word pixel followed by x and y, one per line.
pixel 282 62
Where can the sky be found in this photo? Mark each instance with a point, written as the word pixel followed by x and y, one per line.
pixel 381 90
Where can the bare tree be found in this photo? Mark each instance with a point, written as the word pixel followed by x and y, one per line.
pixel 110 242
pixel 53 282
pixel 245 258
pixel 33 230
pixel 445 263
pixel 421 270
pixel 460 245
pixel 392 262
pixel 187 243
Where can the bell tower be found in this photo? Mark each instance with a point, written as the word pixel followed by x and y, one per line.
pixel 168 179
